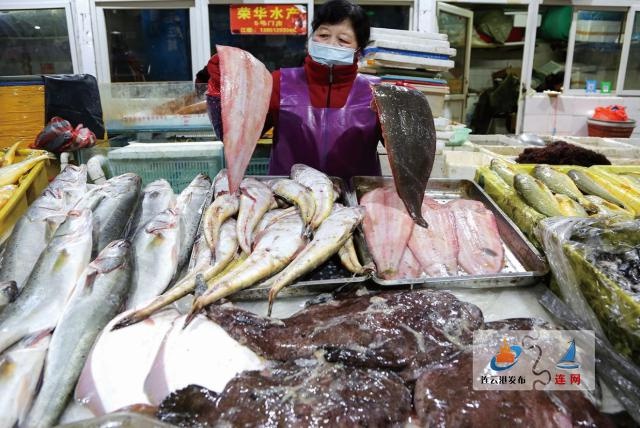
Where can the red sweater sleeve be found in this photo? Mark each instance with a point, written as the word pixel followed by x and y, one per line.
pixel 274 103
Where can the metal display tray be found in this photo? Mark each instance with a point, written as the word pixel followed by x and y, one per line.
pixel 326 278
pixel 524 265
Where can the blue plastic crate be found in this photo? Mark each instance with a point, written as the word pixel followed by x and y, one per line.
pixel 178 163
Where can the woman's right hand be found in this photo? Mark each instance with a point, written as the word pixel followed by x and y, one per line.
pixel 213 67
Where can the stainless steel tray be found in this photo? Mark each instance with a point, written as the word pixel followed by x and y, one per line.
pixel 328 277
pixel 524 265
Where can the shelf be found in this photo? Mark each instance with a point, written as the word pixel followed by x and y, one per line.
pixel 496 45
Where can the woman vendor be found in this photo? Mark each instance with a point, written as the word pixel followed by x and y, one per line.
pixel 321 112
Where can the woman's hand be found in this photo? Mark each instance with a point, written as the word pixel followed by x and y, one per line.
pixel 213 67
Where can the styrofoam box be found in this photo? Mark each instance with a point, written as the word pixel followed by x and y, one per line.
pixel 463 165
pixel 494 140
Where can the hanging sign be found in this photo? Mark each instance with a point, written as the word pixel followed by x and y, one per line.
pixel 268 19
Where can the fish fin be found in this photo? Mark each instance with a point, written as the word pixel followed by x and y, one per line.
pixel 201 286
pixel 307 231
pixel 244 192
pixel 7 366
pixel 36 337
pixel 91 279
pixel 62 256
pixel 417 219
pixel 272 297
pixel 195 310
pixel 126 322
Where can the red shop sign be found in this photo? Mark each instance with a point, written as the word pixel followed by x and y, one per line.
pixel 268 19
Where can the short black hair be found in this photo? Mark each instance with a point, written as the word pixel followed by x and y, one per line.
pixel 336 11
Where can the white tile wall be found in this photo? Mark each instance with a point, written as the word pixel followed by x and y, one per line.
pixel 572 113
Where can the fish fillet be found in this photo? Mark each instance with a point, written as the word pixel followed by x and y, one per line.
pixel 410 140
pixel 409 266
pixel 387 228
pixel 436 247
pixel 481 251
pixel 245 91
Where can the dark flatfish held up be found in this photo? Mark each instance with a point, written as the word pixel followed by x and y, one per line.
pixel 410 138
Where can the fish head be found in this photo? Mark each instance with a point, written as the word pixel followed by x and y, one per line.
pixel 77 223
pixel 123 183
pixel 221 183
pixel 157 186
pixel 73 174
pixel 167 219
pixel 113 256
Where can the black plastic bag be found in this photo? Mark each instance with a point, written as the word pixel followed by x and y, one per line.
pixel 76 98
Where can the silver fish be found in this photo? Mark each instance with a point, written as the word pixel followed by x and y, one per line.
pixel 155 258
pixel 72 181
pixel 49 285
pixel 189 206
pixel 30 236
pixel 327 240
pixel 114 211
pixel 321 188
pixel 20 370
pixel 157 196
pixel 36 227
pixel 96 299
pixel 226 248
pixel 255 200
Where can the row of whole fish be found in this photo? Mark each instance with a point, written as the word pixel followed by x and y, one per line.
pixel 581 192
pixel 248 240
pixel 64 301
pixel 461 234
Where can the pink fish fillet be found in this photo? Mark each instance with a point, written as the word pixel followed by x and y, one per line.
pixel 436 247
pixel 387 228
pixel 245 91
pixel 481 250
pixel 409 266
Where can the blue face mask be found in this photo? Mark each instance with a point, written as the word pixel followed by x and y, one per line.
pixel 331 55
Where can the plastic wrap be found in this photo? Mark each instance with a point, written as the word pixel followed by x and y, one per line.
pixel 596 263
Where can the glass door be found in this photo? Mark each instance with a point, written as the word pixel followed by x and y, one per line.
pixel 457 24
pixel 629 78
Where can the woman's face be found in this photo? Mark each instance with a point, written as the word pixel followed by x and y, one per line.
pixel 340 34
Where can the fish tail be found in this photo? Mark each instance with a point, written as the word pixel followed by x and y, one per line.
pixel 273 292
pixel 417 219
pixel 195 310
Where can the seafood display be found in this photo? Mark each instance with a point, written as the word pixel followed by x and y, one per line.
pixel 55 302
pixel 271 247
pixel 529 194
pixel 597 263
pixel 463 240
pixel 128 300
pixel 410 139
pixel 245 90
pixel 96 299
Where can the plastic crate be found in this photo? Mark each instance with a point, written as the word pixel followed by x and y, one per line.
pixel 258 166
pixel 29 188
pixel 178 163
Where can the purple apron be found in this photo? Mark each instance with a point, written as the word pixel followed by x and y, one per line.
pixel 338 141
